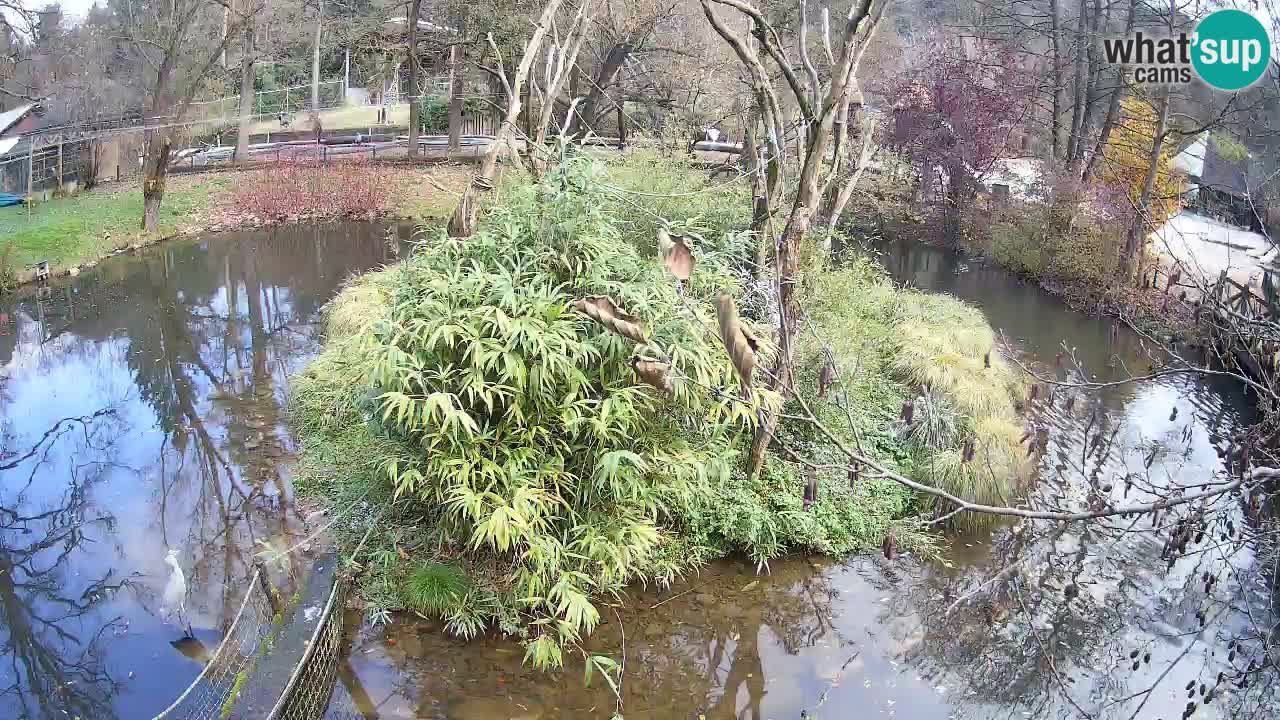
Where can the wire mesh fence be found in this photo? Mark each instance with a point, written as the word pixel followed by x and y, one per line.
pixel 270 102
pixel 307 695
pixel 216 693
pixel 44 167
pixel 231 663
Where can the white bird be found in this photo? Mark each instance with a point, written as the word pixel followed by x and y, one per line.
pixel 175 591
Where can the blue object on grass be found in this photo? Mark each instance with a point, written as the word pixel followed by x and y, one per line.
pixel 7 199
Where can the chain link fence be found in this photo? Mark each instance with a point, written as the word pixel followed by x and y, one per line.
pixel 216 694
pixel 270 102
pixel 307 695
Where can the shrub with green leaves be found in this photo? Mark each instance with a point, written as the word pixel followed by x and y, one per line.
pixel 520 468
pixel 519 425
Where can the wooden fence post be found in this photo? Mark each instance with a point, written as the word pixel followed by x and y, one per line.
pixel 60 183
pixel 31 168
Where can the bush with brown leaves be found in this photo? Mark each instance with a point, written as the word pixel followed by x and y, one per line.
pixel 308 188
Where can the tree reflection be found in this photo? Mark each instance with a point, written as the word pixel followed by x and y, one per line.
pixel 207 333
pixel 52 637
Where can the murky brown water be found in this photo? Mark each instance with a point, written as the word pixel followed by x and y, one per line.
pixel 867 638
pixel 141 409
pixel 183 351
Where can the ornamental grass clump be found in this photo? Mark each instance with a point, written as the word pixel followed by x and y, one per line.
pixel 896 348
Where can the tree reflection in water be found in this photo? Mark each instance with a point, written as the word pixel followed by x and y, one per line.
pixel 190 345
pixel 52 643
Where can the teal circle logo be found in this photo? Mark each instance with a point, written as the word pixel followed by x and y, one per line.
pixel 1232 49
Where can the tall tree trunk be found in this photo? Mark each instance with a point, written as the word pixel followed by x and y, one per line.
pixel 415 102
pixel 1113 105
pixel 155 171
pixel 1141 225
pixel 1135 248
pixel 1055 120
pixel 1091 87
pixel 457 67
pixel 1078 88
pixel 246 95
pixel 315 64
pixel 755 170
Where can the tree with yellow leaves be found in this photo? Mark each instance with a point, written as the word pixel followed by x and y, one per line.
pixel 1126 160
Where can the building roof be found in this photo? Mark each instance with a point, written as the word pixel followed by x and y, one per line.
pixel 10 118
pixel 424 25
pixel 1191 159
pixel 1223 174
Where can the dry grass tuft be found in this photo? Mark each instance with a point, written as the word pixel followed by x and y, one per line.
pixel 888 343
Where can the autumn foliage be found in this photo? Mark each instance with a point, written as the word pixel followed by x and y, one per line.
pixel 1126 160
pixel 955 111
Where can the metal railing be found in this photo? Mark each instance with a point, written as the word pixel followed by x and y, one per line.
pixel 306 696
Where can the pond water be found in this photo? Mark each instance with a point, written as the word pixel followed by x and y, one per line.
pixel 868 638
pixel 141 409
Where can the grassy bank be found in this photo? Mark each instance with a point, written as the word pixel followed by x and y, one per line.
pixel 523 468
pixel 83 227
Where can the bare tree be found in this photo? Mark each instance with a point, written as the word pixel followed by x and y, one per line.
pixel 462 223
pixel 820 96
pixel 561 61
pixel 173 42
pixel 625 30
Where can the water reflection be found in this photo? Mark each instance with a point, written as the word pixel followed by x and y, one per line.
pixel 142 409
pixel 1026 623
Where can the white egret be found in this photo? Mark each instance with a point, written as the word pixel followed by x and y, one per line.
pixel 175 591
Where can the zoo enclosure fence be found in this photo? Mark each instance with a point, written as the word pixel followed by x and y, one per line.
pixel 213 694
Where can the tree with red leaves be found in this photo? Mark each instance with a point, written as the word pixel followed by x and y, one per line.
pixel 956 112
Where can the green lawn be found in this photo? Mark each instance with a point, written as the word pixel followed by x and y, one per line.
pixel 72 230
